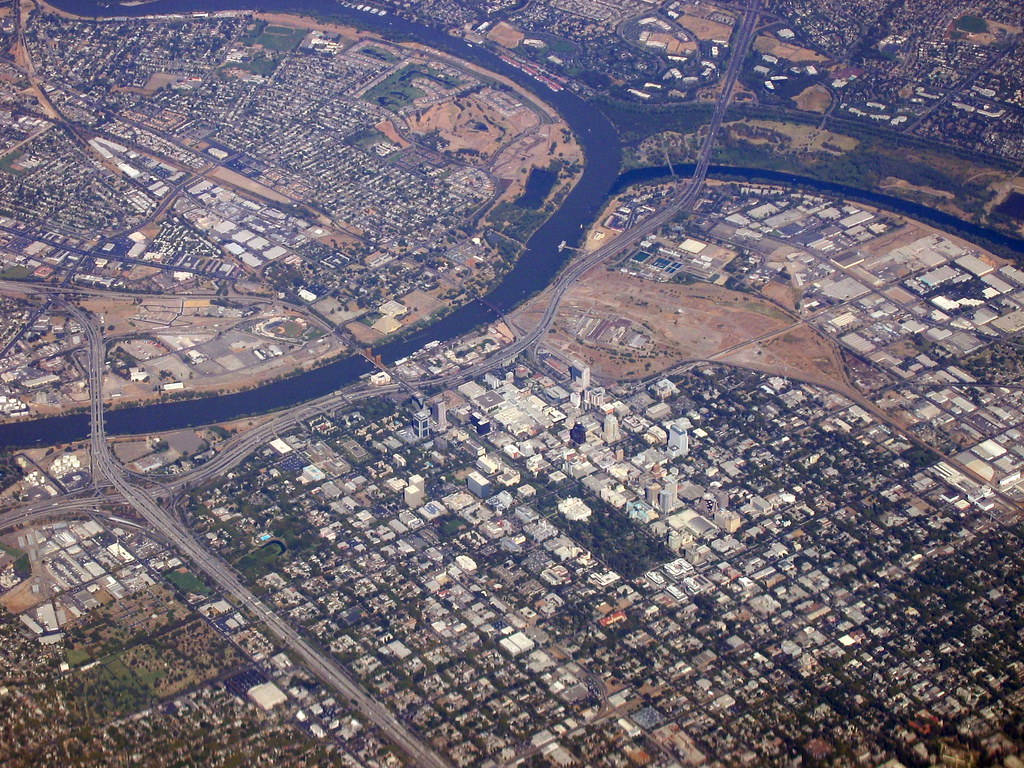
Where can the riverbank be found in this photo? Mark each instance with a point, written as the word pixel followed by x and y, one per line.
pixel 540 262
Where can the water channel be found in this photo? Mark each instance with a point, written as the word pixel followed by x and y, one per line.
pixel 537 266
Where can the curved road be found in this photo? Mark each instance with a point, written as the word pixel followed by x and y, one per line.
pixel 108 471
pixel 321 664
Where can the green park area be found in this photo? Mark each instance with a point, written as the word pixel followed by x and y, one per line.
pixel 972 24
pixel 398 90
pixel 277 38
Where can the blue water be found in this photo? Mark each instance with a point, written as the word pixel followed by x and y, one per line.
pixel 833 189
pixel 538 265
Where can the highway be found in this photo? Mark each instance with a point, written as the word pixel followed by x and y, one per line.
pixel 115 486
pixel 685 201
pixel 238 448
pixel 105 466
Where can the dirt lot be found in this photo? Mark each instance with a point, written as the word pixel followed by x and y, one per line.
pixel 775 47
pixel 893 183
pixel 21 597
pixel 996 31
pixel 781 293
pixel 673 45
pixel 537 149
pixel 798 353
pixel 506 35
pixel 239 181
pixel 420 305
pixel 704 29
pixel 471 124
pixel 794 136
pixel 679 322
pixel 388 129
pixel 813 98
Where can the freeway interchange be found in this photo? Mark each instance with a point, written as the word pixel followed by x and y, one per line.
pixel 151 504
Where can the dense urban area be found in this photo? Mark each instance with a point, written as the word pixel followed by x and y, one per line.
pixel 737 480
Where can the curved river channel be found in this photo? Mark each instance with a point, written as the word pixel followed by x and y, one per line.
pixel 536 267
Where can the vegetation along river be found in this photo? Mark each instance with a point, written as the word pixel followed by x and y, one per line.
pixel 536 267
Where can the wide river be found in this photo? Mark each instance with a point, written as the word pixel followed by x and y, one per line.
pixel 536 267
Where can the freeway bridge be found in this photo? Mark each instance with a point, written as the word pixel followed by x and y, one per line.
pixel 116 487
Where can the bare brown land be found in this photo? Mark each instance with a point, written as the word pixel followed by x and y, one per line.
pixel 504 34
pixel 783 294
pixel 775 47
pixel 468 124
pixel 673 44
pixel 627 327
pixel 892 182
pixel 237 180
pixel 704 29
pixel 514 162
pixel 813 98
pixel 797 353
pixel 996 31
pixel 21 597
pixel 388 129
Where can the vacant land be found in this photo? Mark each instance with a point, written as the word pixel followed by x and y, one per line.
pixel 704 29
pixel 627 327
pixel 506 35
pixel 469 124
pixel 775 47
pixel 237 180
pixel 792 137
pixel 813 98
pixel 891 183
pixel 798 353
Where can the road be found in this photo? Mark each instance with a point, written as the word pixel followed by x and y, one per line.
pixel 107 470
pixel 239 447
pixel 105 466
pixel 686 199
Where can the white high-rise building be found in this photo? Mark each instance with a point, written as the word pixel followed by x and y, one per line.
pixel 611 428
pixel 421 423
pixel 668 497
pixel 580 374
pixel 440 409
pixel 679 437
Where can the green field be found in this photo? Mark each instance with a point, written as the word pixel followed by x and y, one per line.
pixel 366 138
pixel 395 91
pixel 378 53
pixel 187 582
pixel 262 65
pixel 276 38
pixel 22 567
pixel 8 160
pixel 972 24
pixel 398 91
pixel 15 272
pixel 260 562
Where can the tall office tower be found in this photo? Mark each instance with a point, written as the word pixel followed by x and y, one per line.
pixel 611 428
pixel 578 433
pixel 678 439
pixel 668 498
pixel 440 408
pixel 711 505
pixel 652 494
pixel 421 423
pixel 580 374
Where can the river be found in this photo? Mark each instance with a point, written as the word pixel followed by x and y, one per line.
pixel 941 219
pixel 536 267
